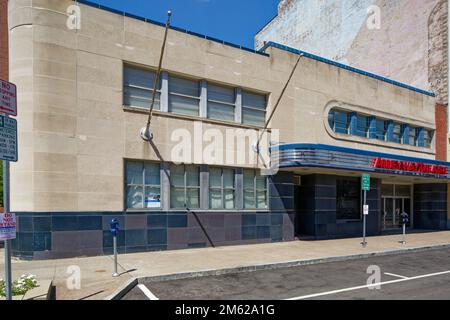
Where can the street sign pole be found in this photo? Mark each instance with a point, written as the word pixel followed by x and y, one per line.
pixel 364 243
pixel 8 152
pixel 365 186
pixel 8 277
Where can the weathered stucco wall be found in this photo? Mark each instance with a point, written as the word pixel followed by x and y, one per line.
pixel 408 47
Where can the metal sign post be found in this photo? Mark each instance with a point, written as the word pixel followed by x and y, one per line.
pixel 114 226
pixel 8 273
pixel 365 186
pixel 8 152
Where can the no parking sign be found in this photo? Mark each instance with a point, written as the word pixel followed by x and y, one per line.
pixel 7 226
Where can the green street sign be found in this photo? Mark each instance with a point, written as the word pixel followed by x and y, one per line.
pixel 365 182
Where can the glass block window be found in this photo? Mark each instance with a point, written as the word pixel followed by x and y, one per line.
pixel 221 103
pixel 184 186
pixel 138 87
pixel 221 188
pixel 255 190
pixel 253 109
pixel 184 96
pixel 143 185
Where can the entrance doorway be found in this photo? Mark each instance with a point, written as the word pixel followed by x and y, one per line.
pixel 396 199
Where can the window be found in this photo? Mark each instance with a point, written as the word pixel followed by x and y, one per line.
pixel 396 132
pixel 255 190
pixel 362 126
pixel 138 87
pixel 184 186
pixel 341 122
pixel 381 129
pixel 184 96
pixel 427 138
pixel 143 185
pixel 253 109
pixel 221 188
pixel 348 199
pixel 412 138
pixel 221 103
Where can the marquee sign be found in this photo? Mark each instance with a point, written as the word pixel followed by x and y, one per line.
pixel 381 163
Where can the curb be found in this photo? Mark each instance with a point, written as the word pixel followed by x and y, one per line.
pixel 124 289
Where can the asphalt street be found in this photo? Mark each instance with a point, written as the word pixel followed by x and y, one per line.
pixel 424 275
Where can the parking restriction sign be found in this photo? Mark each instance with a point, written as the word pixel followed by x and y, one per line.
pixel 8 98
pixel 8 138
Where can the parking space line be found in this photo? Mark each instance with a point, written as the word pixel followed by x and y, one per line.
pixel 395 275
pixel 147 292
pixel 372 285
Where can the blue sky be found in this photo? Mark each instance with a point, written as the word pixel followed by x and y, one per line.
pixel 234 21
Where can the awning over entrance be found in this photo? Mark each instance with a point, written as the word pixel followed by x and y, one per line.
pixel 333 157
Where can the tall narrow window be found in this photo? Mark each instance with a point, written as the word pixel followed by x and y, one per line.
pixel 362 126
pixel 184 186
pixel 397 132
pixel 341 122
pixel 184 96
pixel 255 190
pixel 221 103
pixel 253 109
pixel 412 139
pixel 381 129
pixel 138 87
pixel 143 185
pixel 221 188
pixel 348 199
pixel 427 138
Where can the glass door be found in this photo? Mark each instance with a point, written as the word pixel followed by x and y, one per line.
pixel 396 199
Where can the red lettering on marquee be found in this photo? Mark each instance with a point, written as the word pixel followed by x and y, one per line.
pixel 408 166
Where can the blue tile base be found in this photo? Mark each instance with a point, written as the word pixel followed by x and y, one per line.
pixel 75 234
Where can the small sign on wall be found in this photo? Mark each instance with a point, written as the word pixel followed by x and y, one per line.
pixel 7 226
pixel 366 209
pixel 153 202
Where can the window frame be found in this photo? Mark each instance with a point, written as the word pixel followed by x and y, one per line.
pixel 143 185
pixel 222 188
pixel 360 202
pixel 243 107
pixel 366 127
pixel 182 95
pixel 150 90
pixel 428 138
pixel 255 190
pixel 229 104
pixel 185 187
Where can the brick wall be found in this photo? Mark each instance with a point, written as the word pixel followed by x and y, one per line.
pixel 4 39
pixel 441 132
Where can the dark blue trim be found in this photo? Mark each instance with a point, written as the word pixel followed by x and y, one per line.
pixel 133 16
pixel 357 151
pixel 343 66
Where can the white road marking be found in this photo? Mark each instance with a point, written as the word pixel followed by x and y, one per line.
pixel 147 292
pixel 395 275
pixel 370 285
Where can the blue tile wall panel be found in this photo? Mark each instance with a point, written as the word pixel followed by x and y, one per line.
pixel 34 239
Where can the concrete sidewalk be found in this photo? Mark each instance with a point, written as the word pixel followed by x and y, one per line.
pixel 97 283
